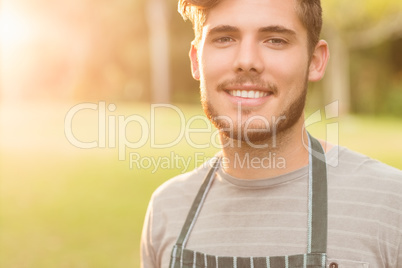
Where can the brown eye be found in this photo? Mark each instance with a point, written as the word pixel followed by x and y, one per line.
pixel 277 41
pixel 224 39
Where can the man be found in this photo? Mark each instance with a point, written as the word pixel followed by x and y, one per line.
pixel 254 59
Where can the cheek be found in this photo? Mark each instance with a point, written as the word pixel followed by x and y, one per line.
pixel 287 68
pixel 215 65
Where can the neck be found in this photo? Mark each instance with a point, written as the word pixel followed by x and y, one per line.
pixel 280 154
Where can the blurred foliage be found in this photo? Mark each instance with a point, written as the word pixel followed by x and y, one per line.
pixel 119 62
pixel 372 33
pixel 377 79
pixel 358 14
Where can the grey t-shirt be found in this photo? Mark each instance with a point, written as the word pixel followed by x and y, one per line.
pixel 268 217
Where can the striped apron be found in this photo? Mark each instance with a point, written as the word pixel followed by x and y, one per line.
pixel 315 257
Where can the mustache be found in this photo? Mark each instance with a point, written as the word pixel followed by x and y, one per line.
pixel 247 79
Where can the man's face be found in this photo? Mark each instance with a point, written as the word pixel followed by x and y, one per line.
pixel 253 56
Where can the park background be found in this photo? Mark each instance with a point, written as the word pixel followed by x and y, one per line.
pixel 64 206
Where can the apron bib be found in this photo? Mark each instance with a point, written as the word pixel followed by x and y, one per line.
pixel 315 257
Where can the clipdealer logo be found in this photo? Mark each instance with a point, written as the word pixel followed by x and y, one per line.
pixel 112 133
pixel 108 125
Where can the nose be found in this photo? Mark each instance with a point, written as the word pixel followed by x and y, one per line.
pixel 248 58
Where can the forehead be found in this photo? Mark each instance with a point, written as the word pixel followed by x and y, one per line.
pixel 250 14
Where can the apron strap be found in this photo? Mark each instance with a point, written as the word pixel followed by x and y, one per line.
pixel 318 201
pixel 197 204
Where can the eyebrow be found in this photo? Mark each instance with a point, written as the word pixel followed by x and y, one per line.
pixel 277 29
pixel 222 29
pixel 267 29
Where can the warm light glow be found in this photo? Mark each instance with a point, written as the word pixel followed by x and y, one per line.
pixel 15 28
pixel 71 49
pixel 38 58
pixel 16 35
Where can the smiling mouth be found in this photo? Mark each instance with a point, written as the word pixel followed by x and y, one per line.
pixel 249 94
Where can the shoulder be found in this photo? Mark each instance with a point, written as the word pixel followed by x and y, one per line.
pixel 181 188
pixel 357 174
pixel 345 161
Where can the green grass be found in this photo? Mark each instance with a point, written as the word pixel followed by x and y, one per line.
pixel 63 206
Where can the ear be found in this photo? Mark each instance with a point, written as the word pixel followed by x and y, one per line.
pixel 195 68
pixel 319 61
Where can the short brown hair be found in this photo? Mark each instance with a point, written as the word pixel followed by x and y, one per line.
pixel 309 12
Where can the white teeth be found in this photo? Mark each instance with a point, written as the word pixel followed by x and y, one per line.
pixel 251 94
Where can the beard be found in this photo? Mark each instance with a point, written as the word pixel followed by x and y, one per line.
pixel 262 130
